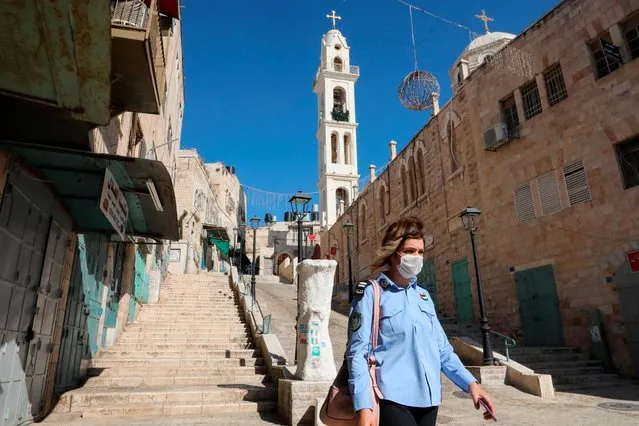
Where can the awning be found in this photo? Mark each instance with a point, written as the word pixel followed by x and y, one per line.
pixel 222 246
pixel 77 178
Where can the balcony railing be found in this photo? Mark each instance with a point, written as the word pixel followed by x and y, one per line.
pixel 139 63
pixel 340 67
pixel 340 115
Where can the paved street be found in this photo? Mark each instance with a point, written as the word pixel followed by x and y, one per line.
pixel 513 407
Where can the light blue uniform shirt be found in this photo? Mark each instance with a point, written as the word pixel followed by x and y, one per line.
pixel 412 348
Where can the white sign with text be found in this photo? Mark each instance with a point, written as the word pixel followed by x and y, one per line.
pixel 113 204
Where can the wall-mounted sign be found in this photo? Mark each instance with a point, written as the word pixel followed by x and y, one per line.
pixel 633 260
pixel 174 254
pixel 113 204
pixel 611 52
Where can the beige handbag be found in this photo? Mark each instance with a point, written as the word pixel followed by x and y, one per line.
pixel 338 409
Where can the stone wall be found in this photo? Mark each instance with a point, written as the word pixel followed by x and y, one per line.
pixel 584 242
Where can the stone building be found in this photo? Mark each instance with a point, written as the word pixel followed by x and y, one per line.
pixel 86 210
pixel 542 136
pixel 210 204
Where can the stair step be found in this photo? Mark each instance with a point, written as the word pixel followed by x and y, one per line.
pixel 171 347
pixel 532 350
pixel 602 384
pixel 538 366
pixel 96 399
pixel 167 354
pixel 175 363
pixel 566 372
pixel 585 378
pixel 239 366
pixel 549 358
pixel 218 378
pixel 176 338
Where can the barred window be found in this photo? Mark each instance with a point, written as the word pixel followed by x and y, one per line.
pixel 555 85
pixel 628 154
pixel 603 65
pixel 531 99
pixel 509 114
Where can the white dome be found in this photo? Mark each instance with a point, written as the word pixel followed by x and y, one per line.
pixel 489 38
pixel 333 37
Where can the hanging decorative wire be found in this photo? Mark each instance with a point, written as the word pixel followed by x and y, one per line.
pixel 419 88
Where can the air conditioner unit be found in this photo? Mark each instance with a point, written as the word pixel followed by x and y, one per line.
pixel 130 13
pixel 495 136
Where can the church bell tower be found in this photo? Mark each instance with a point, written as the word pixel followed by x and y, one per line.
pixel 334 86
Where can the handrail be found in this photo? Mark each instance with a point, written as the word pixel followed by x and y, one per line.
pixel 509 342
pixel 266 320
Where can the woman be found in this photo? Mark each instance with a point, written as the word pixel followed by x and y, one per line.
pixel 412 346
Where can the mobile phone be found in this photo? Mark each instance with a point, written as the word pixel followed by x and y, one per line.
pixel 488 410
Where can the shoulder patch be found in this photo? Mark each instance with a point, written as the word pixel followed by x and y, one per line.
pixel 359 290
pixel 355 321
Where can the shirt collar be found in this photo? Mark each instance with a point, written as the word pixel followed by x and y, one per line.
pixel 389 283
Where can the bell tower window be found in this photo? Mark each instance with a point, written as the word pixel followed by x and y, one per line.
pixel 339 113
pixel 334 148
pixel 347 149
pixel 338 64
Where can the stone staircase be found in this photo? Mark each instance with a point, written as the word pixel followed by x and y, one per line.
pixel 189 355
pixel 571 369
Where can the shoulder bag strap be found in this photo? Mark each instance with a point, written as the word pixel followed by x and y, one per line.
pixel 375 328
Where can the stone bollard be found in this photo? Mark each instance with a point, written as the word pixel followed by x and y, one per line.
pixel 314 350
pixel 315 364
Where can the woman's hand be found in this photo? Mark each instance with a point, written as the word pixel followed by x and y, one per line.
pixel 365 417
pixel 478 393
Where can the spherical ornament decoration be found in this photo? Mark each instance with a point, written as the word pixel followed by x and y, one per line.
pixel 417 90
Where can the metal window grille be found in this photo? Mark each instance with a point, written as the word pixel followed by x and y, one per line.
pixel 531 99
pixel 555 85
pixel 129 13
pixel 632 37
pixel 603 66
pixel 576 183
pixel 509 114
pixel 549 193
pixel 628 154
pixel 524 205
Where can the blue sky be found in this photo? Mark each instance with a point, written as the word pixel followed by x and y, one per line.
pixel 249 68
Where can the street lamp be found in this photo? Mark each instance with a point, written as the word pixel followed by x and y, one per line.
pixel 299 208
pixel 468 217
pixel 348 228
pixel 255 221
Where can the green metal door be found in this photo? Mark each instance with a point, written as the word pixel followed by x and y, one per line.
pixel 426 279
pixel 113 290
pixel 463 296
pixel 74 343
pixel 140 293
pixel 539 307
pixel 91 264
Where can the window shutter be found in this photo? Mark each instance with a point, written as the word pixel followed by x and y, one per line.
pixel 524 203
pixel 576 183
pixel 549 193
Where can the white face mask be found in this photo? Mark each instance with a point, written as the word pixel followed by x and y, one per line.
pixel 410 266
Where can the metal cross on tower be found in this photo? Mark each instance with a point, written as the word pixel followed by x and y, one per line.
pixel 334 18
pixel 484 18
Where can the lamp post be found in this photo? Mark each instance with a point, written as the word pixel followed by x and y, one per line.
pixel 299 208
pixel 348 227
pixel 468 217
pixel 255 221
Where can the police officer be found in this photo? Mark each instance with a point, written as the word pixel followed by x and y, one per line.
pixel 412 346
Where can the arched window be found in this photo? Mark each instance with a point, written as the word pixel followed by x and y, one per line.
pixel 347 149
pixel 362 221
pixel 410 183
pixel 341 201
pixel 421 172
pixel 382 204
pixel 404 185
pixel 334 148
pixel 339 100
pixel 452 146
pixel 338 64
